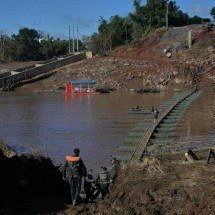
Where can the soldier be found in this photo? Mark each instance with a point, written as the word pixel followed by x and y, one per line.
pixel 156 115
pixel 74 170
pixel 88 185
pixel 113 168
pixel 103 181
pixel 152 109
pixel 137 107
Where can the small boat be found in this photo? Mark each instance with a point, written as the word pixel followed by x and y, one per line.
pixel 139 111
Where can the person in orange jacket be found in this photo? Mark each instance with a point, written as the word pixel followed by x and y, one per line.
pixel 73 171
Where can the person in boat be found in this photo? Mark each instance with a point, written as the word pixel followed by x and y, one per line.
pixel 103 181
pixel 156 114
pixel 137 108
pixel 89 184
pixel 152 109
pixel 73 171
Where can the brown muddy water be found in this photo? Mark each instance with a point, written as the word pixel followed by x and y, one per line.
pixel 97 124
pixel 197 126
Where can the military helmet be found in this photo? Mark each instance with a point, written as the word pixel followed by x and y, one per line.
pixel 75 149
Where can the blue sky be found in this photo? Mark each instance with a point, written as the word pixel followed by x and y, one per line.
pixel 54 16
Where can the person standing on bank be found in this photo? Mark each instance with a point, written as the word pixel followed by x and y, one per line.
pixel 103 181
pixel 113 169
pixel 88 185
pixel 73 171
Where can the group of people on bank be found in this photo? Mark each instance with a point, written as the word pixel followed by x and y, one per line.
pixel 74 171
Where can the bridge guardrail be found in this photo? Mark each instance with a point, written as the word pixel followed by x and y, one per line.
pixel 31 72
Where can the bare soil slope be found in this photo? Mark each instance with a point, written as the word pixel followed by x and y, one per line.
pixel 144 64
pixel 165 185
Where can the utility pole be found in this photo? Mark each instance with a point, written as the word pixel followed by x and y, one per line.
pixel 73 45
pixel 190 39
pixel 69 41
pixel 77 40
pixel 167 16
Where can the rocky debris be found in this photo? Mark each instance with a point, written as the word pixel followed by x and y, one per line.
pixel 148 90
pixel 175 47
pixel 176 34
pixel 168 54
pixel 26 179
pixel 105 90
pixel 6 150
pixel 144 64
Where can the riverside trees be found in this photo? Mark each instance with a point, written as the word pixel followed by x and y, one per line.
pixel 121 30
pixel 30 44
pixel 213 13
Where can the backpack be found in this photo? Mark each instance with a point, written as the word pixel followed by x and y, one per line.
pixel 103 177
pixel 74 169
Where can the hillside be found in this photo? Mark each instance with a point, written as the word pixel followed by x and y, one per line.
pixel 161 185
pixel 144 64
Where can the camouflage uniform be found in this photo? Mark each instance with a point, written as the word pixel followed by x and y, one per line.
pixel 103 181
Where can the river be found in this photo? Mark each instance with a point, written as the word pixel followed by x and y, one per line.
pixel 97 124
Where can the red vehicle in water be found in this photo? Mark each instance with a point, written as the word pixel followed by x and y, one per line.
pixel 80 87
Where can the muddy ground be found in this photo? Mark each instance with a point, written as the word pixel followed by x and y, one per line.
pixel 30 184
pixel 167 184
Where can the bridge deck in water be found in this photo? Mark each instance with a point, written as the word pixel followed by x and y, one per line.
pixel 156 137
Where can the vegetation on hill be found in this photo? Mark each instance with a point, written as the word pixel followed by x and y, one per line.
pixel 213 13
pixel 119 31
pixel 30 44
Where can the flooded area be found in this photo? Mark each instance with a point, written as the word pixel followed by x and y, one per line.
pixel 197 126
pixel 97 124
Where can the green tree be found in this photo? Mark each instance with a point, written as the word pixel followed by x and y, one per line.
pixel 26 44
pixel 195 20
pixel 157 13
pixel 213 12
pixel 6 49
pixel 47 48
pixel 139 19
pixel 176 17
pixel 105 34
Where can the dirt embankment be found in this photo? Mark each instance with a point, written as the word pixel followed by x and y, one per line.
pixel 30 184
pixel 144 64
pixel 163 185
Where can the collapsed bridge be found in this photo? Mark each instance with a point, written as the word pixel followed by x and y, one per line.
pixel 157 137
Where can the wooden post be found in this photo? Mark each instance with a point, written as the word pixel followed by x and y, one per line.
pixel 190 156
pixel 210 154
pixel 190 39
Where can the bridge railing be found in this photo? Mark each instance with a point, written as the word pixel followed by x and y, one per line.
pixel 43 68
